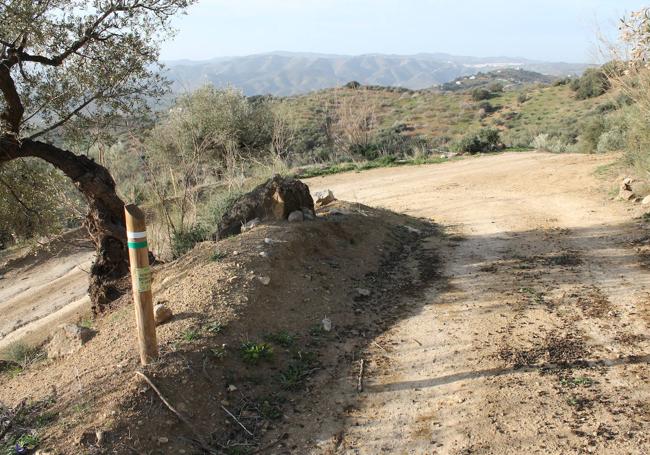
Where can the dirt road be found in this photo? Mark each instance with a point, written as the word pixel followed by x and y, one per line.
pixel 538 342
pixel 39 292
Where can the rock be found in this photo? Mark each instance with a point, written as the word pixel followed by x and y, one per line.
pixel 69 338
pixel 324 197
pixel 363 292
pixel 162 313
pixel 163 440
pixel 327 324
pixel 296 216
pixel 626 195
pixel 232 388
pixel 626 192
pixel 265 280
pixel 646 200
pixel 308 215
pixel 274 200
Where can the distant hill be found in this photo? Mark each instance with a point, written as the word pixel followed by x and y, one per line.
pixel 508 77
pixel 285 73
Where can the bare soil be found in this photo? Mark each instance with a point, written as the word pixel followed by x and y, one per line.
pixel 44 287
pixel 536 342
pixel 505 311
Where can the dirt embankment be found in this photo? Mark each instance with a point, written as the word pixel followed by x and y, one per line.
pixel 247 337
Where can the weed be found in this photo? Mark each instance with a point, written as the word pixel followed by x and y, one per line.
pixel 86 323
pixel 580 381
pixel 294 376
pixel 219 352
pixel 218 256
pixel 214 327
pixel 23 355
pixel 191 335
pixel 270 409
pixel 254 352
pixel 283 338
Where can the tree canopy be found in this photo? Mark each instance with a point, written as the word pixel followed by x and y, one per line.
pixel 64 60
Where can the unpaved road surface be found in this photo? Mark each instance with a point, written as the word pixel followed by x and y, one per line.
pixel 538 340
pixel 39 292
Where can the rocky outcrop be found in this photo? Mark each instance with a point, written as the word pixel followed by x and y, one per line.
pixel 68 339
pixel 274 200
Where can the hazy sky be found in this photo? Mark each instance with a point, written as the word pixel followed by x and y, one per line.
pixel 554 30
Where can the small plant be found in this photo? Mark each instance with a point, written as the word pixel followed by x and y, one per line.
pixel 191 335
pixel 214 327
pixel 283 338
pixel 26 443
pixel 23 355
pixel 294 376
pixel 219 352
pixel 254 352
pixel 218 256
pixel 184 241
pixel 580 381
pixel 270 409
pixel 86 323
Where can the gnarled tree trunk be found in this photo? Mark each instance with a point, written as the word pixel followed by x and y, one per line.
pixel 105 219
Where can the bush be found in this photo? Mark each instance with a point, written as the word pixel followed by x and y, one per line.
pixel 184 241
pixel 590 133
pixel 495 87
pixel 594 82
pixel 522 98
pixel 480 94
pixel 487 107
pixel 485 140
pixel 545 143
pixel 611 141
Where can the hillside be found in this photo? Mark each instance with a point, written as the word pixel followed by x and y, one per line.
pixel 439 118
pixel 285 73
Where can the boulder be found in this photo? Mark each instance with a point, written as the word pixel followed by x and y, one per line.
pixel 162 313
pixel 273 200
pixel 324 197
pixel 296 216
pixel 69 338
pixel 646 200
pixel 625 190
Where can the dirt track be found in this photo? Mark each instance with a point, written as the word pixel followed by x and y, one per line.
pixel 39 292
pixel 538 341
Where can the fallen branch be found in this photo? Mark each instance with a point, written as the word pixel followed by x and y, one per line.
pixel 360 379
pixel 235 419
pixel 180 416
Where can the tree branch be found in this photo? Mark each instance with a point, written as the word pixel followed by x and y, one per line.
pixel 63 120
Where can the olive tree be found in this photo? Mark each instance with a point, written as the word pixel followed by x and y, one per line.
pixel 67 64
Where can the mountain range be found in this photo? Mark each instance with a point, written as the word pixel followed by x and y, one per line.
pixel 287 73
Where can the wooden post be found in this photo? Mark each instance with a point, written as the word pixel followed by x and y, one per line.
pixel 141 282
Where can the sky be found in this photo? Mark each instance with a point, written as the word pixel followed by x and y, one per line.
pixel 550 30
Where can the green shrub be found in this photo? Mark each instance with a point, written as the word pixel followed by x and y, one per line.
pixel 495 87
pixel 594 82
pixel 611 141
pixel 523 97
pixel 591 130
pixel 480 94
pixel 485 140
pixel 184 241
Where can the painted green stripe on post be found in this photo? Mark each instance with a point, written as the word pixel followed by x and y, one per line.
pixel 136 245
